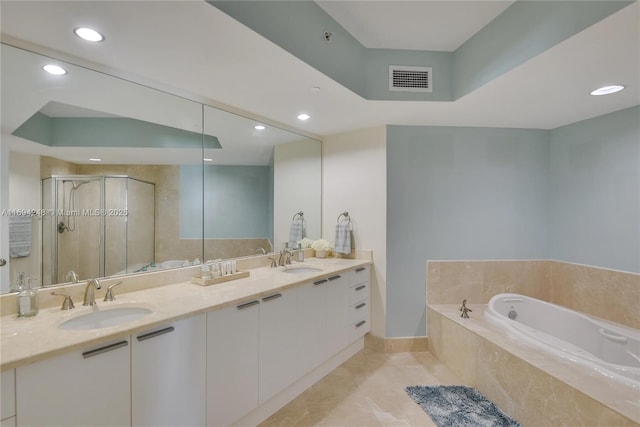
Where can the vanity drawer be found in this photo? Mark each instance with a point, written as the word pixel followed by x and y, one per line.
pixel 359 312
pixel 360 320
pixel 360 275
pixel 358 293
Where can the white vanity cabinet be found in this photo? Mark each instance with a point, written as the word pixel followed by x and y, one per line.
pixel 233 343
pixel 323 319
pixel 251 352
pixel 312 325
pixel 278 347
pixel 89 387
pixel 8 398
pixel 168 366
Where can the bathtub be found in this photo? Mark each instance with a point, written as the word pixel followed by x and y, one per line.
pixel 607 348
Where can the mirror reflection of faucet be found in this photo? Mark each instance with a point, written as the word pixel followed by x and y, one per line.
pixel 71 276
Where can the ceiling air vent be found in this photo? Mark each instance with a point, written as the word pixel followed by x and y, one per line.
pixel 410 79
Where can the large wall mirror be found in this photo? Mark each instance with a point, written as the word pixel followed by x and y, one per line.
pixel 177 182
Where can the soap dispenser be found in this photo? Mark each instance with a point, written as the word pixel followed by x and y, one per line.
pixel 299 253
pixel 27 299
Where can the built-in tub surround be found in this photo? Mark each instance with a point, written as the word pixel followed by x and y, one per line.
pixel 529 383
pixel 525 381
pixel 608 294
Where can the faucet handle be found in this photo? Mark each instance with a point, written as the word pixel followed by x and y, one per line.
pixel 109 295
pixel 67 304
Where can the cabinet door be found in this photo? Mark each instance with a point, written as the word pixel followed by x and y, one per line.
pixel 278 347
pixel 232 362
pixel 82 388
pixel 8 394
pixel 168 366
pixel 337 313
pixel 312 325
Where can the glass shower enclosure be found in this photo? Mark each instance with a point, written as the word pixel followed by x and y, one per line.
pixel 96 226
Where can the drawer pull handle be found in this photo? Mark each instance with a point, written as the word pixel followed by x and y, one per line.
pixel 358 270
pixel 156 333
pixel 361 287
pixel 334 277
pixel 247 304
pixel 271 297
pixel 106 348
pixel 359 306
pixel 320 282
pixel 360 323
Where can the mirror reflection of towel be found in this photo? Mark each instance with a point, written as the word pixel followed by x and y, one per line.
pixel 343 239
pixel 20 236
pixel 296 233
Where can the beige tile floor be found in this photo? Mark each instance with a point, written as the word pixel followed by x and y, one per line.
pixel 366 390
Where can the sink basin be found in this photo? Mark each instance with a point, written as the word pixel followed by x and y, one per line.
pixel 105 318
pixel 302 270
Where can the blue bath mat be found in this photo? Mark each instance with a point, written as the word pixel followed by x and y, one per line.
pixel 459 406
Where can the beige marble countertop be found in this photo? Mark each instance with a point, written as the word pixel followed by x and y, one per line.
pixel 27 340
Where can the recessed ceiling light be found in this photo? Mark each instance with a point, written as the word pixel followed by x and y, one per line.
pixel 88 34
pixel 56 70
pixel 303 116
pixel 206 159
pixel 259 127
pixel 607 90
pixel 95 159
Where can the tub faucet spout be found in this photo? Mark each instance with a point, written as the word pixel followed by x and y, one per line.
pixel 464 310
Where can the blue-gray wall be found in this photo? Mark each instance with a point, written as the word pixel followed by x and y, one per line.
pixel 595 196
pixel 458 193
pixel 572 194
pixel 237 202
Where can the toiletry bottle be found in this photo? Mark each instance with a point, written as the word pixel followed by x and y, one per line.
pixel 299 253
pixel 27 300
pixel 19 284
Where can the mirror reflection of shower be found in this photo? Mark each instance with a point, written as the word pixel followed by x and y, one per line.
pixel 101 225
pixel 70 207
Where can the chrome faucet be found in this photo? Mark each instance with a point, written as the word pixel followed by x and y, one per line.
pixel 90 293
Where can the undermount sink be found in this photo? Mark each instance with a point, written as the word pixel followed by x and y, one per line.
pixel 302 270
pixel 105 318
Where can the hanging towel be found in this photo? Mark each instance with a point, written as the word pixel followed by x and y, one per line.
pixel 296 233
pixel 343 239
pixel 20 236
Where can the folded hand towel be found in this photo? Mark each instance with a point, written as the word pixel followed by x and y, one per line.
pixel 20 236
pixel 296 233
pixel 343 239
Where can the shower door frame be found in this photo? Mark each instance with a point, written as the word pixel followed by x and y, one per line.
pixel 54 229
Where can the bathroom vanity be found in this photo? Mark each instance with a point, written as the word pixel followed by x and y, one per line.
pixel 230 353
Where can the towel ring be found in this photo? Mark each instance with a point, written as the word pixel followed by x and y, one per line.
pixel 299 216
pixel 344 218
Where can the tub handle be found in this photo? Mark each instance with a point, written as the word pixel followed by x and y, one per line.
pixel 613 337
pixel 512 300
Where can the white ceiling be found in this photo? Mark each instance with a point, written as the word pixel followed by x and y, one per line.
pixel 192 48
pixel 418 25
